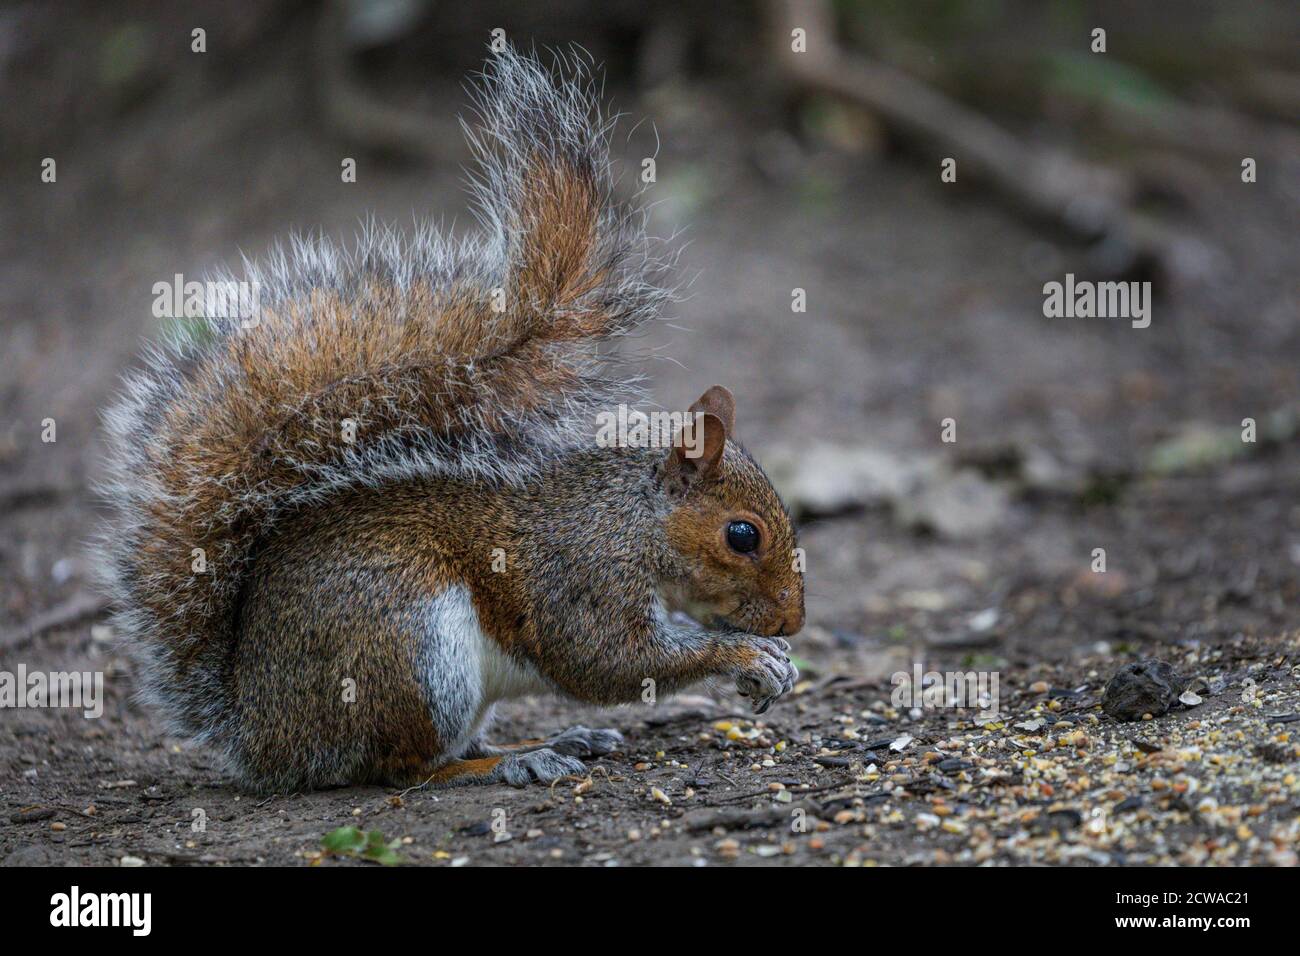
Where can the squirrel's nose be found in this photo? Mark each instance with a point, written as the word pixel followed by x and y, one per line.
pixel 790 620
pixel 793 623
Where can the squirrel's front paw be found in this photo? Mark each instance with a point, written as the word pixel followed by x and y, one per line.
pixel 769 674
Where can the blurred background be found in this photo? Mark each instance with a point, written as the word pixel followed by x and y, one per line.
pixel 818 171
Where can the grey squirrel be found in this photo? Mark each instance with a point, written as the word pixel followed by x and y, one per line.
pixel 327 608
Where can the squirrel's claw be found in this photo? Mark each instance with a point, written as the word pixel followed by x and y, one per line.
pixel 769 675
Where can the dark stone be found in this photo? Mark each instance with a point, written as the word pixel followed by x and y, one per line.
pixel 1147 687
pixel 954 765
pixel 1067 819
pixel 31 815
pixel 832 761
pixel 1063 693
pixel 1059 820
pixel 34 855
pixel 1275 753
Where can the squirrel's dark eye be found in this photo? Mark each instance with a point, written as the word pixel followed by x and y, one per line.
pixel 742 536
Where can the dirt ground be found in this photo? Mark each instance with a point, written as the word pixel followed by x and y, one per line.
pixel 922 305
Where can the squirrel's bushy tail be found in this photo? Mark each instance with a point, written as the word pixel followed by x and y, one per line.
pixel 401 357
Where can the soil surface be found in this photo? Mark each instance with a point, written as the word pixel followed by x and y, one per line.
pixel 923 305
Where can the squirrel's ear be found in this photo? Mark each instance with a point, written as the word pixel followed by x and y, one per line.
pixel 720 402
pixel 697 452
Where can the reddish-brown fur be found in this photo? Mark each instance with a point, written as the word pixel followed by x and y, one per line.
pixel 331 551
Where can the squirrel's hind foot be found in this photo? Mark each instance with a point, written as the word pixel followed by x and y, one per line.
pixel 541 765
pixel 577 741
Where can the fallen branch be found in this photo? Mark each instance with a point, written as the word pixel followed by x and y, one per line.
pixel 364 119
pixel 1090 202
pixel 755 794
pixel 1273 93
pixel 730 818
pixel 76 609
pixel 16 495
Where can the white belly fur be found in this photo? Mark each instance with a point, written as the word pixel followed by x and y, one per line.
pixel 466 672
